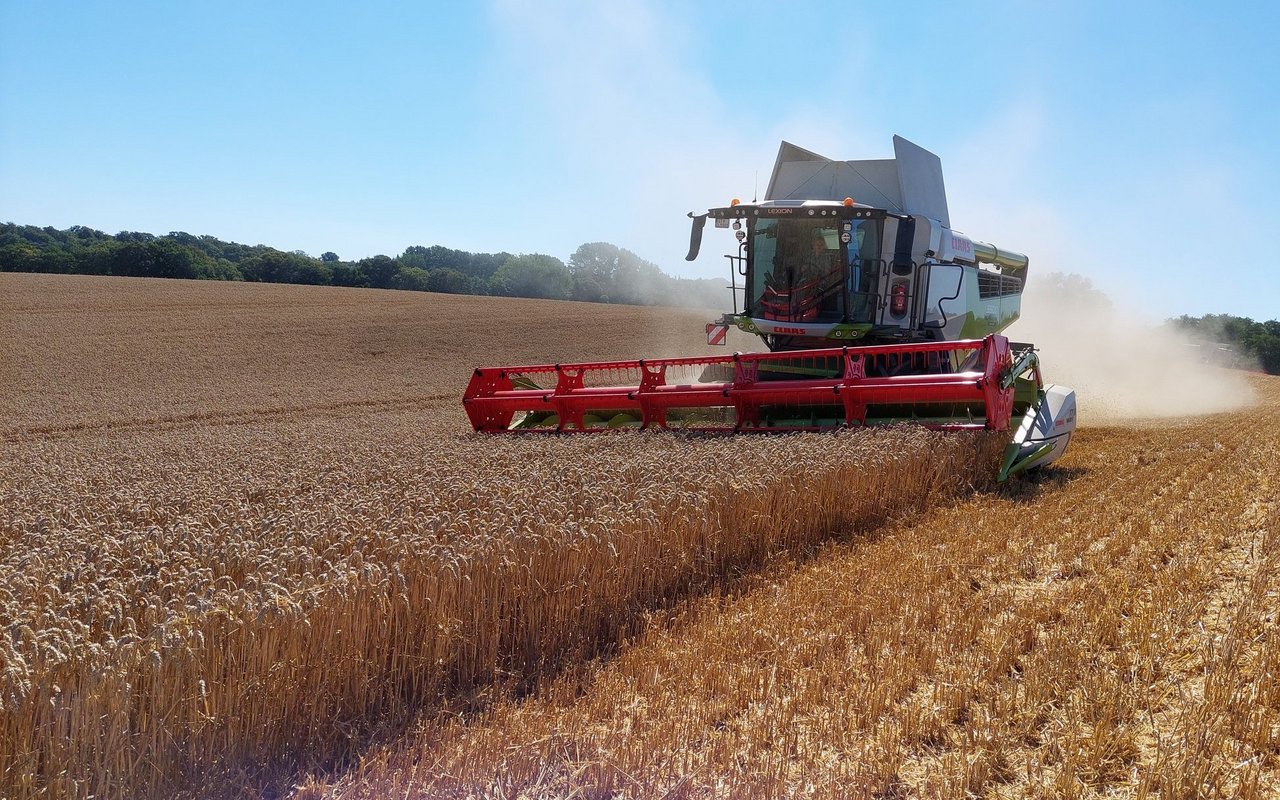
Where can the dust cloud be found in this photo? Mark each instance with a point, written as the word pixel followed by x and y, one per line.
pixel 1124 367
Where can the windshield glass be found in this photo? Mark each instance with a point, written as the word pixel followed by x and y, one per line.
pixel 797 275
pixel 813 270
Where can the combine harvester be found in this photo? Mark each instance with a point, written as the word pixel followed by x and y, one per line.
pixel 873 312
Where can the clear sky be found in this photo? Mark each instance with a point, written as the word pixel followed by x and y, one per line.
pixel 1133 143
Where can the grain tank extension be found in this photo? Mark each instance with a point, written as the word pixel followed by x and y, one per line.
pixel 873 309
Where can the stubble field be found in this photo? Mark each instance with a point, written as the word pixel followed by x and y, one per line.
pixel 250 549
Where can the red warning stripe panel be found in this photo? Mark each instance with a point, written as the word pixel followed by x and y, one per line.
pixel 716 333
pixel 496 394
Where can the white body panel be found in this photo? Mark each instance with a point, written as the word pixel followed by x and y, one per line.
pixel 956 247
pixel 1052 426
pixel 816 329
pixel 909 183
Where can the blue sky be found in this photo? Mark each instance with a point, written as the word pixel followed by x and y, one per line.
pixel 1133 143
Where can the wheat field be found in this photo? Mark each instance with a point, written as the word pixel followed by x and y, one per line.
pixel 1110 631
pixel 250 549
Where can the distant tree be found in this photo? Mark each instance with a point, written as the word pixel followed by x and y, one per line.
pixel 19 257
pixel 345 274
pixel 450 281
pixel 86 235
pixel 533 275
pixel 29 234
pixel 313 273
pixel 275 266
pixel 59 262
pixel 219 270
pixel 235 252
pixel 484 265
pixel 96 259
pixel 215 248
pixel 132 258
pixel 133 236
pixel 1267 350
pixel 379 271
pixel 590 288
pixel 26 257
pixel 596 271
pixel 415 256
pixel 436 257
pixel 603 272
pixel 1259 341
pixel 597 258
pixel 593 266
pixel 412 278
pixel 170 259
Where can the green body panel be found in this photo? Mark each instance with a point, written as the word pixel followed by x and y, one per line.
pixel 993 319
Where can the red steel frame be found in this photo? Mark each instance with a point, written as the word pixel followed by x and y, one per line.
pixel 492 399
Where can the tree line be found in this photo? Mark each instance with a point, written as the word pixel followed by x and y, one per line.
pixel 1234 341
pixel 597 271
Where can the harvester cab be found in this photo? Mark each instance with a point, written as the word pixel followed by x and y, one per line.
pixel 873 312
pixel 815 267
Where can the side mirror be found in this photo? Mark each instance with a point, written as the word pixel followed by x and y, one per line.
pixel 695 235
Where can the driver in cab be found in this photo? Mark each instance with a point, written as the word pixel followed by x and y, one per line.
pixel 820 262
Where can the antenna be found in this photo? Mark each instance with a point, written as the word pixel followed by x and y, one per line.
pixel 755 190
